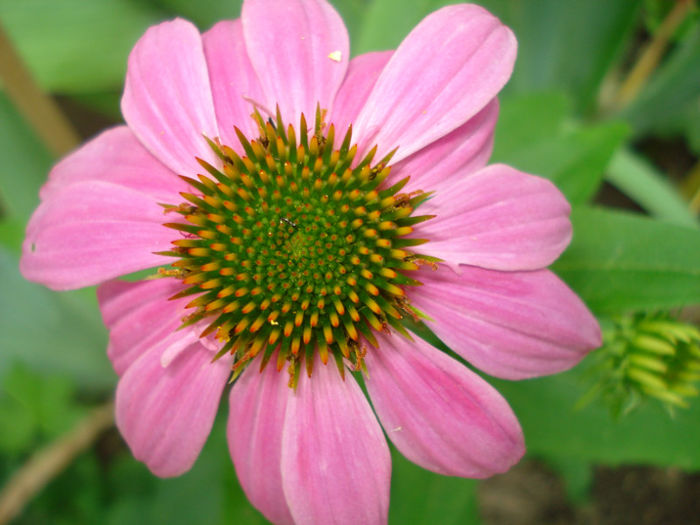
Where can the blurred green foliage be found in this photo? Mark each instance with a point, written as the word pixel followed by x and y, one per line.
pixel 52 361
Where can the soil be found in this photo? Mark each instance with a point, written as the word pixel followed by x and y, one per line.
pixel 532 494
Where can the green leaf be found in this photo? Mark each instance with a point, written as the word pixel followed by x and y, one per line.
pixel 133 485
pixel 387 22
pixel 12 234
pixel 204 13
pixel 533 134
pixel 669 102
pixel 19 427
pixel 420 497
pixel 106 102
pixel 577 160
pixel 528 119
pixel 73 46
pixel 640 181
pixel 354 14
pixel 44 404
pixel 577 474
pixel 619 261
pixel 566 45
pixel 553 429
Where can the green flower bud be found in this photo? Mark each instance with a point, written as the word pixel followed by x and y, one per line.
pixel 646 356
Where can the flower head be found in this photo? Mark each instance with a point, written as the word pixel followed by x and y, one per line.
pixel 300 207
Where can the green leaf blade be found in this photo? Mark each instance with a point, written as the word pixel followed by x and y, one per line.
pixel 619 261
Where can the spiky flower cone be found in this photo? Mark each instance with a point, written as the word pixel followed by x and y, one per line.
pixel 297 246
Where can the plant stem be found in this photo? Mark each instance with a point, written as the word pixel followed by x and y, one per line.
pixel 46 463
pixel 39 110
pixel 651 54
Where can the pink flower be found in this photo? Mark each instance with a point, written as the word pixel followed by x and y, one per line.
pixel 291 249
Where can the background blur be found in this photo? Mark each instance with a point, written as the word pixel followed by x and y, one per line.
pixel 605 101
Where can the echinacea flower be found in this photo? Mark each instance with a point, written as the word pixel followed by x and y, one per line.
pixel 301 206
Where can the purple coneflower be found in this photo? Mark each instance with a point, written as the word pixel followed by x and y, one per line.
pixel 301 207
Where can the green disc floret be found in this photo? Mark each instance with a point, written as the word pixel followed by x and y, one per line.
pixel 294 246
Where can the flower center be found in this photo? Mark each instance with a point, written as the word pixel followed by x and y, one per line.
pixel 296 247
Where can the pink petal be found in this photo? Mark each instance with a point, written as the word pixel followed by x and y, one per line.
pixel 167 98
pixel 447 160
pixel 234 83
pixel 165 413
pixel 336 466
pixel 362 74
pixel 512 325
pixel 258 404
pixel 92 231
pixel 76 233
pixel 299 49
pixel 445 71
pixel 497 218
pixel 438 413
pixel 116 156
pixel 139 317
